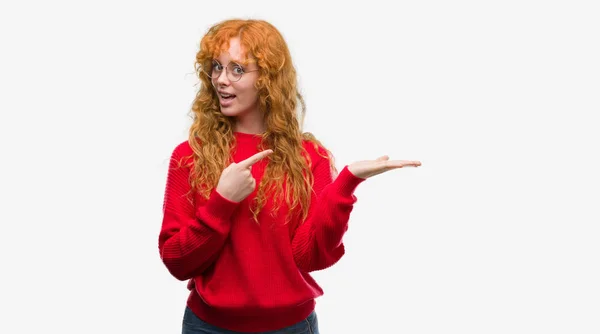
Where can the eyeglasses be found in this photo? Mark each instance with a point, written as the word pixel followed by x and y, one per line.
pixel 233 71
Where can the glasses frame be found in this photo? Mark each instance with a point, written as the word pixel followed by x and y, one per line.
pixel 226 68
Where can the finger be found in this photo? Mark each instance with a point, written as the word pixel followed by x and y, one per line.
pixel 401 163
pixel 254 159
pixel 383 158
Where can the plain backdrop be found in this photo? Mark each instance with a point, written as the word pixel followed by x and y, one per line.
pixel 497 232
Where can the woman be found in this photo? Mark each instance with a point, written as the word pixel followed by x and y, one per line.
pixel 251 206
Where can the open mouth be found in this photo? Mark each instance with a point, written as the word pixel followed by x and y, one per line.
pixel 227 97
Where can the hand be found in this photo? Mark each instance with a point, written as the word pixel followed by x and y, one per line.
pixel 236 182
pixel 368 168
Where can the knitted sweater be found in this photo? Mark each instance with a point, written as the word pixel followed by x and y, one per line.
pixel 250 277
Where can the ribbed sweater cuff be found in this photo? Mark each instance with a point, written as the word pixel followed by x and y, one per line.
pixel 346 182
pixel 219 207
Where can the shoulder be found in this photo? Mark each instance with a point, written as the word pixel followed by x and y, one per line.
pixel 321 160
pixel 183 149
pixel 316 151
pixel 182 154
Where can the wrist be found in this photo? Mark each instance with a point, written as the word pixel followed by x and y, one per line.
pixel 227 196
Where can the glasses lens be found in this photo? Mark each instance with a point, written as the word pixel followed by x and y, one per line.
pixel 234 72
pixel 215 70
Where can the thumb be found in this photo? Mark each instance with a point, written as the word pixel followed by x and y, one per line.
pixel 383 158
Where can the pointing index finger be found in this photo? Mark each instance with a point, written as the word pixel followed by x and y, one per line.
pixel 254 159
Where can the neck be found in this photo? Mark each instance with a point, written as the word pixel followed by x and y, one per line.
pixel 252 123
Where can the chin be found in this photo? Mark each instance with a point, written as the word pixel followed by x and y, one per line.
pixel 231 112
pixel 236 110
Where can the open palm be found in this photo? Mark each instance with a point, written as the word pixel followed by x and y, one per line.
pixel 368 168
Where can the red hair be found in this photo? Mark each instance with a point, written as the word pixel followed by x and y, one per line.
pixel 211 133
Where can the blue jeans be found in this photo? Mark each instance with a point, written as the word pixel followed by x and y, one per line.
pixel 194 325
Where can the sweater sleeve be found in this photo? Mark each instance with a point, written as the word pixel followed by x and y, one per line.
pixel 317 242
pixel 191 236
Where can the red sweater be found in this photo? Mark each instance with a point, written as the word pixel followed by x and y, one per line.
pixel 250 277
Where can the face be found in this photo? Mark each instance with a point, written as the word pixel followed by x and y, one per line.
pixel 236 98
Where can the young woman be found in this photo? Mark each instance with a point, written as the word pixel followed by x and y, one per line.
pixel 252 204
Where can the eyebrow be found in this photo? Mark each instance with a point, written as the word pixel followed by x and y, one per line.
pixel 244 62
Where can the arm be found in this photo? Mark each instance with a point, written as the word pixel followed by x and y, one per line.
pixel 191 238
pixel 317 242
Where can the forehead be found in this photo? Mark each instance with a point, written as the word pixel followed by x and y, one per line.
pixel 232 52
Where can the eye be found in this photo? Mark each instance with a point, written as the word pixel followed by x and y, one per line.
pixel 216 66
pixel 237 69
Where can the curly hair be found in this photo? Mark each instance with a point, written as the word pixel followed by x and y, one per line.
pixel 211 134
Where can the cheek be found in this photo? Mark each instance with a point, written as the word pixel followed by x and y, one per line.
pixel 249 93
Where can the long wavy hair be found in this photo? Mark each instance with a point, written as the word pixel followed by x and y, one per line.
pixel 288 176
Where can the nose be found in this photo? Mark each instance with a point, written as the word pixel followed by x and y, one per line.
pixel 222 79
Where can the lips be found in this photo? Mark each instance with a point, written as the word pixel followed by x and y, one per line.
pixel 225 99
pixel 225 95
